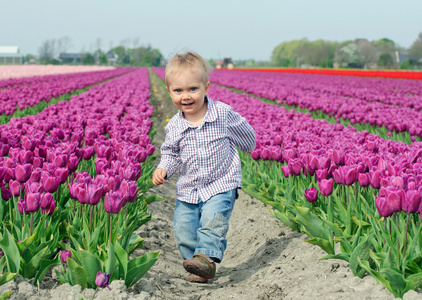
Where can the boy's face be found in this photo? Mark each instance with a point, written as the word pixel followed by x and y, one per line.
pixel 188 90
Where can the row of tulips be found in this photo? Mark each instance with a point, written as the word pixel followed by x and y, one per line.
pixel 21 71
pixel 395 74
pixel 320 93
pixel 22 93
pixel 73 177
pixel 338 186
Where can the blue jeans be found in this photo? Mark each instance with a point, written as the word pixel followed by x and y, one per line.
pixel 202 227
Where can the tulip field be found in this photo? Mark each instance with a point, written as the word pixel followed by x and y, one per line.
pixel 73 178
pixel 337 157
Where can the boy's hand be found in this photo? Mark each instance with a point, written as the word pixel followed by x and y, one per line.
pixel 158 176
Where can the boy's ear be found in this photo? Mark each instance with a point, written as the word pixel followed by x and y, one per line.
pixel 168 89
pixel 207 86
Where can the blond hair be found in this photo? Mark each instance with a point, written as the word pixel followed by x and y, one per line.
pixel 188 60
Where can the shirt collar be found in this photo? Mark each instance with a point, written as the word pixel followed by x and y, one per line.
pixel 210 116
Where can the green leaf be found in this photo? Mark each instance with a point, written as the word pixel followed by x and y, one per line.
pixel 396 279
pixel 122 257
pixel 362 251
pixel 46 266
pixel 32 267
pixel 6 295
pixel 77 275
pixel 111 260
pixel 152 198
pixel 342 256
pixel 7 277
pixel 91 265
pixel 135 242
pixel 312 223
pixel 11 252
pixel 377 275
pixel 323 243
pixel 413 281
pixel 284 218
pixel 138 267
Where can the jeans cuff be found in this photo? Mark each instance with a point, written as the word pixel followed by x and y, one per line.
pixel 216 256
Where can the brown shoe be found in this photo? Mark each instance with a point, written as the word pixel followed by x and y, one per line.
pixel 196 278
pixel 200 265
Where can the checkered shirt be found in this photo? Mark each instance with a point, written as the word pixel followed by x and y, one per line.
pixel 206 155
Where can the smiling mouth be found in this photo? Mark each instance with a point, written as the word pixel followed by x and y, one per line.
pixel 187 104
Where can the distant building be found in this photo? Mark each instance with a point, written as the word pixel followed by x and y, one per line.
pixel 10 55
pixel 112 57
pixel 70 58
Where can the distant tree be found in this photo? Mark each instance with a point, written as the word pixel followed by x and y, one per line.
pixel 123 58
pixel 145 56
pixel 386 60
pixel 88 59
pixel 47 52
pixel 63 44
pixel 416 48
pixel 30 58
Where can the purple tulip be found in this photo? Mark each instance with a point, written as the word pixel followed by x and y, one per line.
pixel 22 207
pixel 38 162
pixel 375 179
pixel 73 163
pixel 295 166
pixel 338 176
pixel 150 149
pixel 129 190
pixel 34 187
pixel 23 172
pixel 88 152
pixel 286 171
pixel 363 180
pixel 15 187
pixel 32 202
pixel 113 202
pixel 102 280
pixel 64 254
pixel 326 187
pixel 350 176
pixel 50 183
pixel 255 154
pixel 5 193
pixel 311 194
pixel 89 193
pixel 26 156
pixel 395 199
pixel 411 201
pixel 62 174
pixel 321 174
pixel 50 210
pixel 46 200
pixel 383 209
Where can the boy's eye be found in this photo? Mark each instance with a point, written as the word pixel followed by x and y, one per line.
pixel 177 90
pixel 193 89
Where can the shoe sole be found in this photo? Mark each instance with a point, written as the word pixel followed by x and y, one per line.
pixel 199 269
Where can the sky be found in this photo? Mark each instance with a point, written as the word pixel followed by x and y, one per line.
pixel 241 29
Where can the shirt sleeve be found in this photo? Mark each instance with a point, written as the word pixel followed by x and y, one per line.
pixel 170 155
pixel 241 133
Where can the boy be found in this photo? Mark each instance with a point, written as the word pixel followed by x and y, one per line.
pixel 201 142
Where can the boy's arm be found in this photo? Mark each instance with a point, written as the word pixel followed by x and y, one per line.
pixel 170 157
pixel 241 132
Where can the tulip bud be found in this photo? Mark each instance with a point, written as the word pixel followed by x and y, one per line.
pixel 46 200
pixel 411 201
pixel 326 187
pixel 255 154
pixel 383 209
pixel 311 195
pixel 286 171
pixel 321 174
pixel 113 202
pixel 295 166
pixel 32 202
pixel 23 172
pixel 375 179
pixel 363 179
pixel 64 254
pixel 51 184
pixel 102 280
pixel 150 149
pixel 394 199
